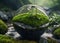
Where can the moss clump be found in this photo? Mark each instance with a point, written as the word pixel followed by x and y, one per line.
pixel 31 19
pixel 3 27
pixel 7 39
pixel 49 40
pixel 57 32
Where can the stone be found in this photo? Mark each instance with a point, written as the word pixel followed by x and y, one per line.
pixel 3 16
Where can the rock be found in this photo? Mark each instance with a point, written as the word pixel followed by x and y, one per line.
pixel 24 26
pixel 46 35
pixel 14 35
pixel 12 32
pixel 3 16
pixel 10 14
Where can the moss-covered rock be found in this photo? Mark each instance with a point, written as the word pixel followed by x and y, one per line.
pixel 31 19
pixel 57 33
pixel 3 27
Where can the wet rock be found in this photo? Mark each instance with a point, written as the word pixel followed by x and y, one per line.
pixel 24 26
pixel 46 35
pixel 10 14
pixel 3 16
pixel 12 32
pixel 14 35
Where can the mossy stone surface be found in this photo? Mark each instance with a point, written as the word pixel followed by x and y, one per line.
pixel 31 19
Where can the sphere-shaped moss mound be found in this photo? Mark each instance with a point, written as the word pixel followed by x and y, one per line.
pixel 31 19
pixel 57 33
pixel 3 27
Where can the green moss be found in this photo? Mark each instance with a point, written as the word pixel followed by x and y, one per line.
pixel 31 19
pixel 7 39
pixel 57 32
pixel 49 40
pixel 3 27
